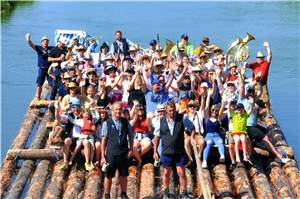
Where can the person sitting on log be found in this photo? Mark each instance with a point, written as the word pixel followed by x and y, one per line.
pixel 171 132
pixel 141 127
pixel 59 125
pixel 87 136
pixel 212 130
pixel 256 132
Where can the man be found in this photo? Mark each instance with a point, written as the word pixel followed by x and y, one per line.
pixel 116 132
pixel 205 42
pixel 120 45
pixel 260 67
pixel 184 45
pixel 57 55
pixel 42 51
pixel 170 130
pixel 152 48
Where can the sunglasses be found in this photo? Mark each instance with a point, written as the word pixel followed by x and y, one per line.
pixel 214 110
pixel 230 85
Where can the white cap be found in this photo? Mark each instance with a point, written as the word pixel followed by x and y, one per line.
pixel 158 62
pixel 160 107
pixel 63 40
pixel 204 84
pixel 44 38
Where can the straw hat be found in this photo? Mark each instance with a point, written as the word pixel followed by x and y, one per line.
pixel 260 55
pixel 232 65
pixel 90 71
pixel 132 49
pixel 81 47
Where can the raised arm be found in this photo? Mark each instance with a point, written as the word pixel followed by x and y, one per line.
pixel 241 85
pixel 209 95
pixel 27 38
pixel 269 57
pixel 219 81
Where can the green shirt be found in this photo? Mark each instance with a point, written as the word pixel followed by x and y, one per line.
pixel 189 50
pixel 239 122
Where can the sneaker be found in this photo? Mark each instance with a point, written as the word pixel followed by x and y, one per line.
pixel 284 159
pixel 88 166
pixel 222 159
pixel 124 196
pixel 166 194
pixel 184 195
pixel 107 196
pixel 64 165
pixel 204 164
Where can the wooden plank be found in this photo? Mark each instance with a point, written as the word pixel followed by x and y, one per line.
pixel 241 184
pixel 93 185
pixel 32 154
pixel 147 181
pixel 75 183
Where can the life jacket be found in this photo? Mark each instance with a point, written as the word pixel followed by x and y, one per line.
pixel 87 128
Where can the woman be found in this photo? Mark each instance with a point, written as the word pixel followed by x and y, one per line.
pixel 140 125
pixel 212 130
pixel 67 99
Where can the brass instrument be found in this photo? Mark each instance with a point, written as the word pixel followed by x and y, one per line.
pixel 242 52
pixel 230 54
pixel 168 46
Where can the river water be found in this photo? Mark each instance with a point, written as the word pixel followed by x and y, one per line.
pixel 276 22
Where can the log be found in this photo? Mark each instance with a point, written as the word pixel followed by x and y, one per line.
pixel 221 181
pixel 115 186
pixel 260 184
pixel 93 185
pixel 41 103
pixel 37 184
pixel 132 186
pixel 8 166
pixel 208 182
pixel 241 183
pixel 55 187
pixel 279 181
pixel 49 154
pixel 293 175
pixel 189 182
pixel 28 165
pixel 147 181
pixel 75 183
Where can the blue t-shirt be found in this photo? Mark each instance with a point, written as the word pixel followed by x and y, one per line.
pixel 43 54
pixel 153 99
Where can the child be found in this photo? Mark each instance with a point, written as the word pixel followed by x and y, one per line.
pixel 87 137
pixel 59 125
pixel 239 128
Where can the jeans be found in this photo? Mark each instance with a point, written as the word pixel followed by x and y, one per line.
pixel 212 138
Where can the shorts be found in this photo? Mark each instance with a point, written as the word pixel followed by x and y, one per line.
pixel 231 140
pixel 173 160
pixel 141 136
pixel 117 162
pixel 42 75
pixel 256 133
pixel 89 138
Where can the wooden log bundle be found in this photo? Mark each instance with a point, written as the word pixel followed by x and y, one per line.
pixel 147 189
pixel 50 154
pixel 93 185
pixel 260 184
pixel 279 181
pixel 241 183
pixel 28 165
pixel 41 103
pixel 222 181
pixel 55 187
pixel 75 183
pixel 133 183
pixel 37 184
pixel 293 175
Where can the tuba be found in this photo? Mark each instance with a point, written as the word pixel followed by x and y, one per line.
pixel 230 54
pixel 168 46
pixel 242 52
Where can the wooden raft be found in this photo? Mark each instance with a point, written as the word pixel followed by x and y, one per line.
pixel 40 173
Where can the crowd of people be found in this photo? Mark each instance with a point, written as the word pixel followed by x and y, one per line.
pixel 128 101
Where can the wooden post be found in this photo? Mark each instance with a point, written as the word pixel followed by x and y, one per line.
pixel 221 181
pixel 260 182
pixel 93 185
pixel 75 183
pixel 37 184
pixel 147 182
pixel 241 183
pixel 132 186
pixel 54 189
pixel 293 175
pixel 28 165
pixel 32 154
pixel 19 142
pixel 279 181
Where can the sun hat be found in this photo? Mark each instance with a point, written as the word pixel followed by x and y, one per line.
pixel 158 62
pixel 260 54
pixel 132 48
pixel 110 67
pixel 160 107
pixel 91 71
pixel 232 65
pixel 44 38
pixel 81 47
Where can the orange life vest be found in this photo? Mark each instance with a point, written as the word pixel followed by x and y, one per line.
pixel 88 124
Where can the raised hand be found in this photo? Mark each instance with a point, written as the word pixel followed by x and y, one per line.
pixel 266 44
pixel 27 37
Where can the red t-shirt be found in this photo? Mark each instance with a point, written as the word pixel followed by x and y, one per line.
pixel 140 126
pixel 263 67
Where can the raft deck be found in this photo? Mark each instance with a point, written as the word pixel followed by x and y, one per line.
pixel 34 172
